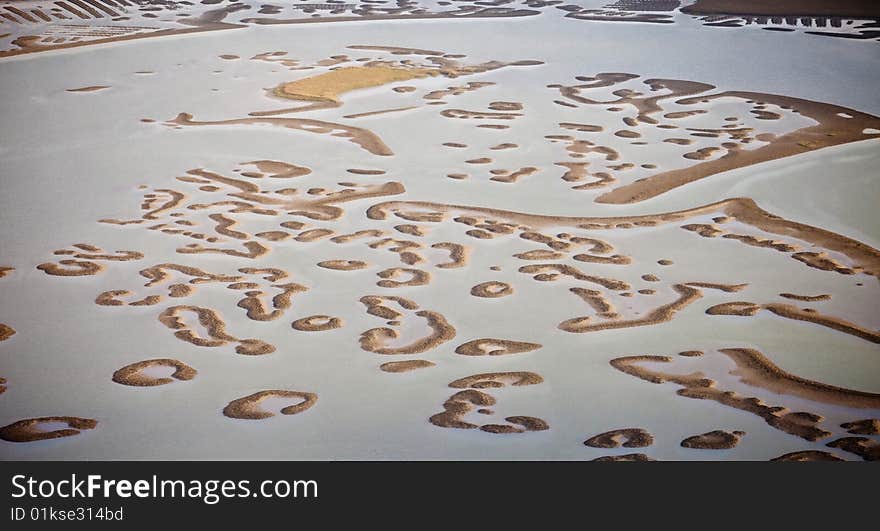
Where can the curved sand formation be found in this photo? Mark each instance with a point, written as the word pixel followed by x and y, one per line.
pixel 626 437
pixel 808 455
pixel 86 265
pixel 374 340
pixel 748 309
pixel 755 370
pixel 744 210
pixel 417 277
pixel 215 328
pixel 463 402
pixel 278 170
pixel 497 379
pixel 494 347
pixel 458 254
pixel 28 430
pixel 257 310
pixel 867 449
pixel 365 139
pixel 6 332
pixel 248 407
pixel 133 374
pixel 661 314
pixel 343 265
pixel 713 440
pixel 374 304
pixel 512 177
pixel 492 289
pixel 831 130
pixel 405 366
pixel 91 88
pixel 317 323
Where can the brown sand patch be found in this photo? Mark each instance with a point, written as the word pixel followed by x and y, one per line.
pixel 374 340
pixel 806 298
pixel 505 145
pixel 478 115
pixel 359 171
pixel 396 50
pixel 405 366
pixel 571 271
pixel 497 379
pixel 409 228
pixel 362 137
pixel 458 254
pixel 6 332
pixel 274 235
pixel 867 449
pixel 492 289
pixel 459 405
pixel 28 430
pixel 463 402
pixel 214 326
pixel 527 423
pixel 279 170
pixel 808 455
pixel 248 407
pixel 626 437
pixel 539 254
pixel 514 176
pixel 92 88
pixel 744 210
pixel 86 265
pixel 494 347
pixel 597 301
pixel 343 265
pixel 713 440
pixel 625 458
pixel 317 323
pixel 257 309
pixel 132 374
pixel 748 309
pixel 831 130
pixel 755 370
pixel 253 249
pixel 505 106
pixel 862 427
pixel 417 277
pixel 376 307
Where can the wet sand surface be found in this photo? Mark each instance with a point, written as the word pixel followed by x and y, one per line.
pixel 512 251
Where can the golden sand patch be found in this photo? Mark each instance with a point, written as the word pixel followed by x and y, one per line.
pixel 330 85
